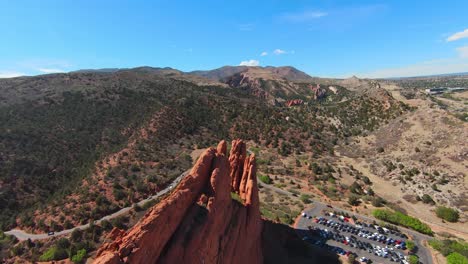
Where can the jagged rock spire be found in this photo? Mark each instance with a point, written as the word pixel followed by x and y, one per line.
pixel 199 222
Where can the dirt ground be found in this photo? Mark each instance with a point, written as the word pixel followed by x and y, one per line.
pixel 429 140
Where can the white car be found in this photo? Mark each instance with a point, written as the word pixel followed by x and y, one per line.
pixel 304 214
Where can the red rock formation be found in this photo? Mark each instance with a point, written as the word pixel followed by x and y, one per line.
pixel 294 102
pixel 318 92
pixel 243 80
pixel 199 222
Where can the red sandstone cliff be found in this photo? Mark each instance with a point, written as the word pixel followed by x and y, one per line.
pixel 199 222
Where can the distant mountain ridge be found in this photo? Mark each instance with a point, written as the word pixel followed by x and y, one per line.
pixel 286 72
pixel 97 70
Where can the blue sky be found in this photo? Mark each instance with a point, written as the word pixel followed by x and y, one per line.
pixel 327 38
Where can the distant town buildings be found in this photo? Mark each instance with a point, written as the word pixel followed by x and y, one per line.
pixel 444 89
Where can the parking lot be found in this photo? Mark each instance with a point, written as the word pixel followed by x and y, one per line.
pixel 370 243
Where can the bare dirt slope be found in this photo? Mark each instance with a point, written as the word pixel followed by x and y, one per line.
pixel 422 152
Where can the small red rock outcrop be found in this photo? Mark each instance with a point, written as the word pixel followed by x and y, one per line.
pixel 294 102
pixel 319 93
pixel 199 222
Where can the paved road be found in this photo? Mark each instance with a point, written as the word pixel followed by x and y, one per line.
pixel 21 235
pixel 418 238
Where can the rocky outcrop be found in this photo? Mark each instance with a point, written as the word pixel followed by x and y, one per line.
pixel 294 102
pixel 263 83
pixel 244 81
pixel 319 93
pixel 212 216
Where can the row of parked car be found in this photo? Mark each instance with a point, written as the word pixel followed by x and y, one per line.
pixel 397 243
pixel 387 252
pixel 382 230
pixel 337 250
pixel 360 231
pixel 351 241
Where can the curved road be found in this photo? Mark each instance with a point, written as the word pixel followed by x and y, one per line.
pixel 21 235
pixel 418 238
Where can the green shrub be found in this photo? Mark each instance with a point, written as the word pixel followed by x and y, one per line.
pixel 413 259
pixel 366 180
pixel 377 201
pixel 76 235
pixel 106 225
pixel 265 179
pixel 427 199
pixel 315 168
pixel 353 200
pixel 149 204
pixel 63 243
pixel 448 246
pixel 447 214
pixel 137 207
pixel 305 198
pixel 54 253
pixel 410 245
pixel 17 250
pixel 118 194
pixel 456 258
pixel 135 168
pixel 119 222
pixel 79 257
pixel 399 218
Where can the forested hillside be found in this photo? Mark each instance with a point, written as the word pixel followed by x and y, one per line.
pixel 78 146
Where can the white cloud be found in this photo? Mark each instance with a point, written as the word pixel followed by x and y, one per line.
pixel 303 16
pixel 463 52
pixel 264 53
pixel 458 35
pixel 249 63
pixel 433 67
pixel 10 74
pixel 50 70
pixel 279 51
